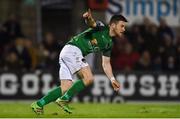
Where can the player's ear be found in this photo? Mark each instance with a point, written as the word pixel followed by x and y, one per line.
pixel 113 25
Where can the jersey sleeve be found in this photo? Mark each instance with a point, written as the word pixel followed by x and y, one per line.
pixel 107 52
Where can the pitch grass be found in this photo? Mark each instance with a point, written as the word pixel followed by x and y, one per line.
pixel 93 110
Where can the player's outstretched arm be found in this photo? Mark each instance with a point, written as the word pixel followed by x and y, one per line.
pixel 108 71
pixel 89 19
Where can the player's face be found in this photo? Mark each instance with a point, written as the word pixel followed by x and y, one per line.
pixel 119 28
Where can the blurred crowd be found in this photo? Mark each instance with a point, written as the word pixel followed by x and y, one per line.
pixel 148 47
pixel 144 47
pixel 18 52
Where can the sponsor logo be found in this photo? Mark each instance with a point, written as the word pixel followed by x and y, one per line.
pixel 154 9
pixel 94 42
pixel 139 86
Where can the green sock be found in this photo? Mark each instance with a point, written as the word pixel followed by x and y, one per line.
pixel 50 97
pixel 75 88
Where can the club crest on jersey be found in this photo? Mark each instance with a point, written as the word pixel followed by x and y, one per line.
pixel 94 41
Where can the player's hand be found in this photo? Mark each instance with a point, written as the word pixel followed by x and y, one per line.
pixel 87 14
pixel 89 19
pixel 115 84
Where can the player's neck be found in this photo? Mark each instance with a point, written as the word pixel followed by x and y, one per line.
pixel 111 32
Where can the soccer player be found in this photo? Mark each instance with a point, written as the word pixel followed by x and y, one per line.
pixel 98 38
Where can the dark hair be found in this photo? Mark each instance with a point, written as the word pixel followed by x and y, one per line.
pixel 116 18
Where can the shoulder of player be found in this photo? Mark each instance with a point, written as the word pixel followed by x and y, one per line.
pixel 100 25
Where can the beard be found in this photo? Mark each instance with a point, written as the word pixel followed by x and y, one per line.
pixel 119 34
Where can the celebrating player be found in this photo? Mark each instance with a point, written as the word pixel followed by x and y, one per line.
pixel 98 38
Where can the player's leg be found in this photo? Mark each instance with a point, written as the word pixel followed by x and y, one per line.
pixel 51 96
pixel 86 78
pixel 65 85
pixel 65 77
pixel 55 93
pixel 75 62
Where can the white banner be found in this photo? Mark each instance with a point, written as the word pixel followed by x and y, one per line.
pixel 137 86
pixel 136 10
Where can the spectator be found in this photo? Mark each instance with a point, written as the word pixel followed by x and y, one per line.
pixel 164 29
pixel 118 46
pixel 3 41
pixel 50 52
pixel 144 63
pixel 22 53
pixel 171 64
pixel 167 52
pixel 13 27
pixel 136 38
pixel 178 51
pixel 157 63
pixel 12 62
pixel 126 60
pixel 152 42
pixel 145 27
pixel 3 38
pixel 32 52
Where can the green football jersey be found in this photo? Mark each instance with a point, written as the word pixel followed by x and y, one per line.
pixel 93 40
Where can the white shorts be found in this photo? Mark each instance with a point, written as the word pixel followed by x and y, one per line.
pixel 71 61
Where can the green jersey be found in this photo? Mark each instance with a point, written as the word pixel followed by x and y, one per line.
pixel 93 40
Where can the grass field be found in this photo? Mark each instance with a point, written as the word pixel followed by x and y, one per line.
pixel 94 110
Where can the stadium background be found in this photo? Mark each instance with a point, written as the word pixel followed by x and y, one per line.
pixel 146 60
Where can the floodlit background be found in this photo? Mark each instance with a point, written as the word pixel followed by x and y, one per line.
pixel 146 61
